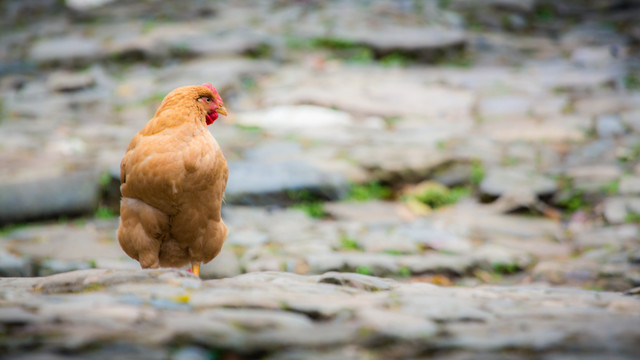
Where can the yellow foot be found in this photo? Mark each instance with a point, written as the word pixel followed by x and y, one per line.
pixel 195 269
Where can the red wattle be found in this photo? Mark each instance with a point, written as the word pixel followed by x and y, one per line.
pixel 211 117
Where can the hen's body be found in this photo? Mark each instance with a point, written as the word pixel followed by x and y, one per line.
pixel 173 177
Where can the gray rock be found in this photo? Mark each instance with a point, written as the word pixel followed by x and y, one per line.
pixel 423 41
pixel 608 126
pixel 615 210
pixel 504 106
pixel 629 185
pixel 68 81
pixel 226 264
pixel 71 49
pixel 376 264
pixel 254 183
pixel 376 212
pixel 53 266
pixel 358 281
pixel 14 266
pixel 437 263
pixel 593 57
pixel 279 314
pixel 427 235
pixel 499 181
pixel 594 177
pixel 191 353
pixel 48 196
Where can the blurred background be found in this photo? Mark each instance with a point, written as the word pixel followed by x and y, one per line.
pixel 456 142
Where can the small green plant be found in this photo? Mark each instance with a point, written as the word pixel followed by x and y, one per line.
pixel 94 286
pixel 261 51
pixel 348 243
pixel 364 270
pixel 505 268
pixel 93 264
pixel 632 80
pixel 612 187
pixel 393 252
pixel 360 56
pixel 104 213
pixel 334 43
pixel 105 179
pixel 369 191
pixel 632 218
pixel 404 271
pixel 436 195
pixel 572 200
pixel 395 59
pixel 314 209
pixel 477 173
pixel 545 13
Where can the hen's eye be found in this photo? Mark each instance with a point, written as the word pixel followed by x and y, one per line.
pixel 207 99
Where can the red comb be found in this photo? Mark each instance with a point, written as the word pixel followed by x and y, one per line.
pixel 218 99
pixel 210 87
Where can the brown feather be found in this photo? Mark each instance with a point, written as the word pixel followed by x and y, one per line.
pixel 173 178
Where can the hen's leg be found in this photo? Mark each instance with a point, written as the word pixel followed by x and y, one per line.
pixel 195 269
pixel 141 230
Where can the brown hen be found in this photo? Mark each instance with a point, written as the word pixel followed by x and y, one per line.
pixel 173 178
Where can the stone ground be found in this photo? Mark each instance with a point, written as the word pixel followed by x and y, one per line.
pixel 489 147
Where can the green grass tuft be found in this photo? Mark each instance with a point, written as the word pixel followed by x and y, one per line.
pixel 104 213
pixel 369 191
pixel 347 243
pixel 364 270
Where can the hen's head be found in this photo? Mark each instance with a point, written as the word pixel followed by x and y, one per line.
pixel 205 98
pixel 211 102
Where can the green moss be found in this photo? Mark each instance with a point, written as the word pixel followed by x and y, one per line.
pixel 360 56
pixel 104 213
pixel 395 59
pixel 105 179
pixel 334 43
pixel 477 172
pixel 404 271
pixel 545 13
pixel 612 187
pixel 347 243
pixel 313 209
pixel 436 195
pixel 369 191
pixel 632 218
pixel 364 270
pixel 632 80
pixel 94 286
pixel 572 200
pixel 393 252
pixel 505 268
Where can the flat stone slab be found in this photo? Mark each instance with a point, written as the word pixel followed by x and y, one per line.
pixel 48 195
pixel 260 183
pixel 98 313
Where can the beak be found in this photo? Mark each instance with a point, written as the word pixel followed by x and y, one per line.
pixel 222 111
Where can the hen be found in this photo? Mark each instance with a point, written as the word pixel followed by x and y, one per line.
pixel 173 178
